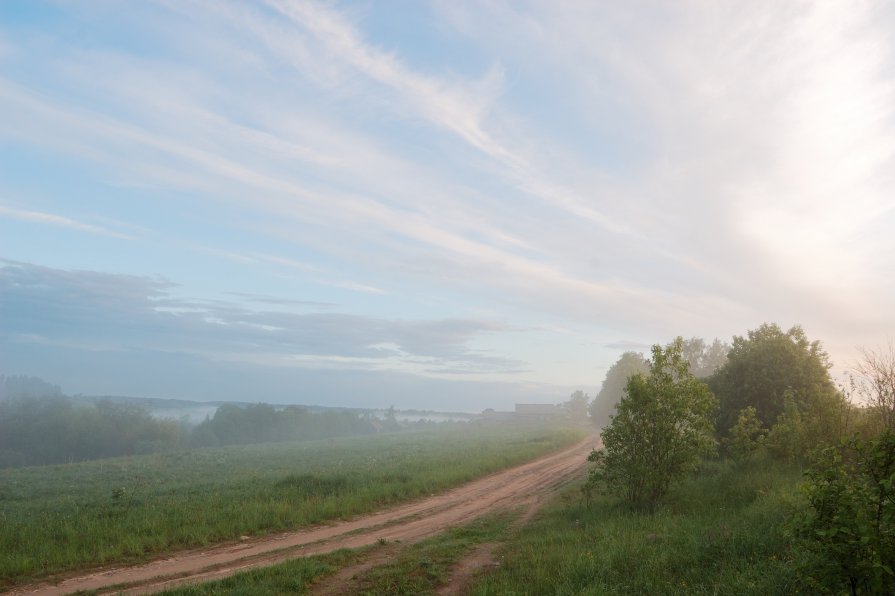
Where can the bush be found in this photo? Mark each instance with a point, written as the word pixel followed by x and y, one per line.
pixel 663 424
pixel 848 531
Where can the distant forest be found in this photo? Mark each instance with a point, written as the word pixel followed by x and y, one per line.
pixel 40 425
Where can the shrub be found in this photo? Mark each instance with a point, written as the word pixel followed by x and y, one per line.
pixel 848 531
pixel 662 426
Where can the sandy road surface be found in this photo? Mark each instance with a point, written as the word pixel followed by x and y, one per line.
pixel 414 521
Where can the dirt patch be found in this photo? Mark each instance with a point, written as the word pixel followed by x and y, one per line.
pixel 485 556
pixel 482 557
pixel 525 484
pixel 345 581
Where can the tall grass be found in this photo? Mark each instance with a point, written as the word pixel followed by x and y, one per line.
pixel 58 518
pixel 720 533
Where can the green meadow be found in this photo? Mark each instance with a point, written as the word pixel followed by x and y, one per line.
pixel 721 532
pixel 59 518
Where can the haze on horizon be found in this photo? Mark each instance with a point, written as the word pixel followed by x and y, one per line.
pixel 451 205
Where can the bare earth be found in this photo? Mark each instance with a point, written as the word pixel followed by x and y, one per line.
pixel 484 555
pixel 525 485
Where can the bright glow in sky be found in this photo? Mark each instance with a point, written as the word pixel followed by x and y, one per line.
pixel 433 204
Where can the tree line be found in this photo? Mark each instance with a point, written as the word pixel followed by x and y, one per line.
pixel 37 430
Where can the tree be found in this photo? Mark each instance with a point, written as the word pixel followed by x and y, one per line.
pixel 704 359
pixel 576 406
pixel 762 366
pixel 628 364
pixel 662 426
pixel 873 381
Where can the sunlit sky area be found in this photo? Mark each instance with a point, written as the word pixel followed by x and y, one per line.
pixel 452 205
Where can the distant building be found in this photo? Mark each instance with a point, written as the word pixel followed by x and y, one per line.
pixel 538 411
pixel 495 416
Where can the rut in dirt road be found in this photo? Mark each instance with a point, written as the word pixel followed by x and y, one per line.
pixel 408 523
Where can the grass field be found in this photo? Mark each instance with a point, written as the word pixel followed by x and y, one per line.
pixel 722 532
pixel 64 517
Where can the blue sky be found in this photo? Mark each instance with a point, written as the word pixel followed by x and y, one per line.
pixel 433 204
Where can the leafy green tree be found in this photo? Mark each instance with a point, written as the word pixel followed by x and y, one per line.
pixel 848 530
pixel 613 389
pixel 762 366
pixel 662 426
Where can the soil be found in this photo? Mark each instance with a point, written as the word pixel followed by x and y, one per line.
pixel 525 485
pixel 481 558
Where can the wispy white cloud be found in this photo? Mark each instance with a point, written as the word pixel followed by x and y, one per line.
pixel 291 198
pixel 355 287
pixel 52 219
pixel 458 108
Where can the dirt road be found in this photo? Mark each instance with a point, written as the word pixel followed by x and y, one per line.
pixel 522 485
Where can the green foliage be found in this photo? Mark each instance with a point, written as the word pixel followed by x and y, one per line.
pixel 802 429
pixel 746 436
pixel 849 526
pixel 789 438
pixel 613 388
pixel 662 426
pixel 762 366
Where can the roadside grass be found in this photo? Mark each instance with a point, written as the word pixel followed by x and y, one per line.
pixel 721 532
pixel 417 569
pixel 291 577
pixel 420 569
pixel 63 517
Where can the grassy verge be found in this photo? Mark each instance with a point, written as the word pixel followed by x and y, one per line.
pixel 721 533
pixel 417 570
pixel 58 518
pixel 292 577
pixel 422 568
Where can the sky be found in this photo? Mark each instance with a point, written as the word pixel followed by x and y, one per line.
pixel 446 204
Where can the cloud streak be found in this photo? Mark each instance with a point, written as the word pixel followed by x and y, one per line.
pixel 117 312
pixel 61 221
